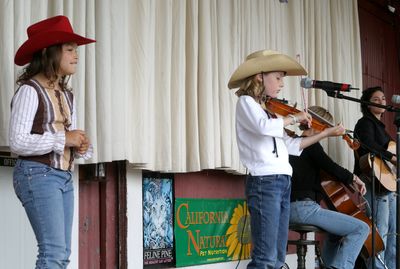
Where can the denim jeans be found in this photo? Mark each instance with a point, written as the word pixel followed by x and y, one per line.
pixel 346 234
pixel 390 252
pixel 47 196
pixel 268 198
pixel 385 219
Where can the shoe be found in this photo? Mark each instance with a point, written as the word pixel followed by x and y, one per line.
pixel 285 266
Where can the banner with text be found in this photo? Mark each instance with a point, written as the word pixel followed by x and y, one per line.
pixel 211 230
pixel 7 159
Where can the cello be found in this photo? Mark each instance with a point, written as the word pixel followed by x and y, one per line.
pixel 338 199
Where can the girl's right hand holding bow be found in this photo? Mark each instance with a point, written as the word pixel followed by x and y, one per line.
pixel 336 130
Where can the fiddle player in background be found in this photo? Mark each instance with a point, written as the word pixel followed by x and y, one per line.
pixel 370 131
pixel 345 234
pixel 263 149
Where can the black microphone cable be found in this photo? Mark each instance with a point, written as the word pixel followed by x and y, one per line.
pixel 245 221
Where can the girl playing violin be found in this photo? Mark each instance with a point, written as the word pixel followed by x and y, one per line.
pixel 264 149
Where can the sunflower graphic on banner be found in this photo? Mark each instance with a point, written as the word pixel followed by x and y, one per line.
pixel 211 230
pixel 239 239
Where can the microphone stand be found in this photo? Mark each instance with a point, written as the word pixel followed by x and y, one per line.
pixel 372 176
pixel 397 123
pixel 372 154
pixel 337 94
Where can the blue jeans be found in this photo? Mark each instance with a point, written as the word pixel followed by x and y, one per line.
pixel 346 234
pixel 48 198
pixel 385 219
pixel 268 198
pixel 390 252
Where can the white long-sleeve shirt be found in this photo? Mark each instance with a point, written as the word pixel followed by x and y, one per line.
pixel 255 132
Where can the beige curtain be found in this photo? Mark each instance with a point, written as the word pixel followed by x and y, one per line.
pixel 153 89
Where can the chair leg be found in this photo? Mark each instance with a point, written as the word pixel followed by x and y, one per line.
pixel 319 258
pixel 301 253
pixel 301 247
pixel 301 257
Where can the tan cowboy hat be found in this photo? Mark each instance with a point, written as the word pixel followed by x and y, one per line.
pixel 51 31
pixel 265 61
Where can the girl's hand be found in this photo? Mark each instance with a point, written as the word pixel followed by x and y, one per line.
pixel 84 146
pixel 304 118
pixel 336 130
pixel 74 138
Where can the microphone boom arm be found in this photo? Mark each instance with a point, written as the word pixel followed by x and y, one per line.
pixel 337 94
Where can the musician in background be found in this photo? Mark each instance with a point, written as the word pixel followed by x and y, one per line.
pixel 345 234
pixel 371 132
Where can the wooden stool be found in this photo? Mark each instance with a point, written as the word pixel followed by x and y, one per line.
pixel 302 243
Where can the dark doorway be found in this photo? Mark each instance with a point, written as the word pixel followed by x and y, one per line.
pixel 102 215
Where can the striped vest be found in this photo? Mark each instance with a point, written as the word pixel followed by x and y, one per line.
pixel 54 114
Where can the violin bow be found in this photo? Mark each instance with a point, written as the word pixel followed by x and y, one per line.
pixel 303 94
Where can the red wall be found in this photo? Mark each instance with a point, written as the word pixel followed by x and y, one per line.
pixel 209 184
pixel 379 33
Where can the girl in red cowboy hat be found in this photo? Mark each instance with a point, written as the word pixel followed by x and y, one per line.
pixel 264 149
pixel 43 134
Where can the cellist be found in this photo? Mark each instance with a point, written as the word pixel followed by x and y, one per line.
pixel 345 234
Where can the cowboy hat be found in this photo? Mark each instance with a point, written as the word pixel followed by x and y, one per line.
pixel 265 61
pixel 45 33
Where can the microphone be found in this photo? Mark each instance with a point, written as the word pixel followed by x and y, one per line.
pixel 325 85
pixel 396 99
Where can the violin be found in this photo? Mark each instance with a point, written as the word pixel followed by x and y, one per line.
pixel 317 123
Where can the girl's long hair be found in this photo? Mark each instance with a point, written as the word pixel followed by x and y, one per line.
pixel 252 87
pixel 46 61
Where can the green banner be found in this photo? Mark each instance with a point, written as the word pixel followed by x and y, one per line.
pixel 211 230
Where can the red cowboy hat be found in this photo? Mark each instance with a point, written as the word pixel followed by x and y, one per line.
pixel 45 33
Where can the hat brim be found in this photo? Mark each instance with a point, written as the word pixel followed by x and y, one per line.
pixel 40 41
pixel 267 63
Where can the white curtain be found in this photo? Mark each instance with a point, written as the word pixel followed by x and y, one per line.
pixel 153 88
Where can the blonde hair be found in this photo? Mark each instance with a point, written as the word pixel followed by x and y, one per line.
pixel 251 86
